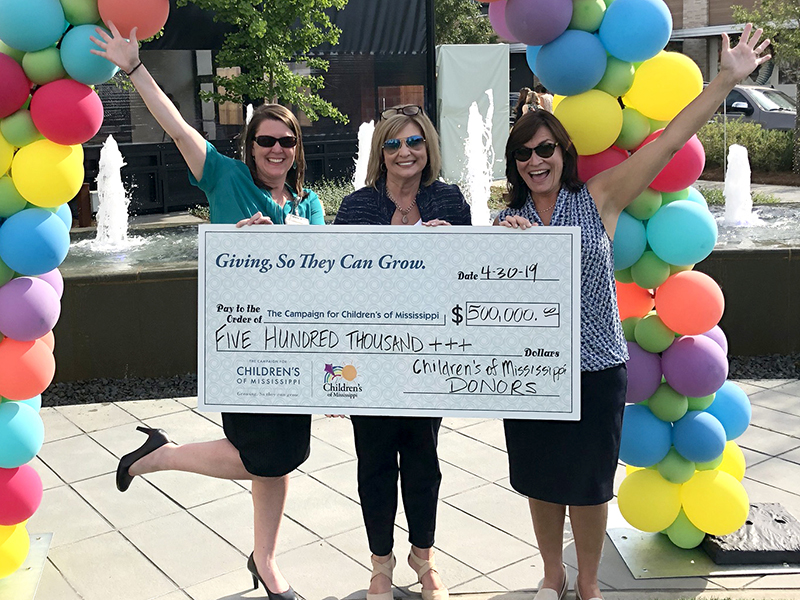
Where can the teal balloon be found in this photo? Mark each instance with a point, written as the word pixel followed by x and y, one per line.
pixel 78 60
pixel 683 533
pixel 695 196
pixel 674 468
pixel 630 241
pixel 682 233
pixel 31 25
pixel 35 403
pixel 64 213
pixel 23 434
pixel 531 52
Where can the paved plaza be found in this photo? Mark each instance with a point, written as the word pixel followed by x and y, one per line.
pixel 176 536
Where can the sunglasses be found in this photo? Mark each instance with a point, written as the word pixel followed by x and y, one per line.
pixel 543 150
pixel 393 145
pixel 409 110
pixel 267 141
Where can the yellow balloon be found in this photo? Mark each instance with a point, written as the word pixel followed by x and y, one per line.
pixel 648 501
pixel 664 85
pixel 715 502
pixel 631 469
pixel 592 119
pixel 6 154
pixel 557 98
pixel 14 546
pixel 733 460
pixel 48 174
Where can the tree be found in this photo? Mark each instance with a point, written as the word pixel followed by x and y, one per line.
pixel 779 19
pixel 462 22
pixel 267 36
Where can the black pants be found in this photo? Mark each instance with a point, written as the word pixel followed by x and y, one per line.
pixel 379 441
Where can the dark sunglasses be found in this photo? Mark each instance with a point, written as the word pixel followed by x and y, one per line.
pixel 409 110
pixel 393 145
pixel 267 141
pixel 544 150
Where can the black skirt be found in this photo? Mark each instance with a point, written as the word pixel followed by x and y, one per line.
pixel 270 445
pixel 572 462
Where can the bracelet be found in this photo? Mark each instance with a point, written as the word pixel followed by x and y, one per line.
pixel 133 69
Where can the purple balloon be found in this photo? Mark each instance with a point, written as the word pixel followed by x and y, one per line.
pixel 497 17
pixel 55 279
pixel 718 336
pixel 537 22
pixel 695 366
pixel 644 373
pixel 29 308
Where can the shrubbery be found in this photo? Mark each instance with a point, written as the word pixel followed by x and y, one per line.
pixel 768 149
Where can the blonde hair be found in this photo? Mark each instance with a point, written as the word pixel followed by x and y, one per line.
pixel 388 129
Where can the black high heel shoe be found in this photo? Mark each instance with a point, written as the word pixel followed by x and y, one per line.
pixel 155 439
pixel 287 595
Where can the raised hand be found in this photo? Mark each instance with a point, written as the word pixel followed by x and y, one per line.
pixel 123 53
pixel 742 60
pixel 256 219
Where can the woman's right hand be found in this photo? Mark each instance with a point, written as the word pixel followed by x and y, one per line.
pixel 256 219
pixel 115 48
pixel 515 222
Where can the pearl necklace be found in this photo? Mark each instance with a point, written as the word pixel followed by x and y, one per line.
pixel 403 211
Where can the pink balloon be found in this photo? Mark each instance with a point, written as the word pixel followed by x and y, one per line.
pixel 683 169
pixel 15 88
pixel 591 164
pixel 21 491
pixel 55 279
pixel 644 373
pixel 67 112
pixel 694 366
pixel 29 308
pixel 497 17
pixel 538 22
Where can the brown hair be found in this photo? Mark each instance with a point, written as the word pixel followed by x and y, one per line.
pixel 296 175
pixel 521 101
pixel 521 133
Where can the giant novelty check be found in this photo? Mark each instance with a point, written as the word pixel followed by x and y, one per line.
pixel 412 321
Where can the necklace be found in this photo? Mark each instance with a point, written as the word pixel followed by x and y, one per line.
pixel 547 208
pixel 403 211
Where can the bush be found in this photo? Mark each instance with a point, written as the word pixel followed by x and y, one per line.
pixel 331 192
pixel 768 149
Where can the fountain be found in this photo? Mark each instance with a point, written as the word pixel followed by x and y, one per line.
pixel 479 153
pixel 365 131
pixel 738 202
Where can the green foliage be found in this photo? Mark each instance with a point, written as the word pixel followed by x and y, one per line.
pixel 778 19
pixel 461 22
pixel 768 149
pixel 331 192
pixel 201 211
pixel 266 38
pixel 714 196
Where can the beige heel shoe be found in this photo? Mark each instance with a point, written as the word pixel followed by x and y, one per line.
pixel 379 568
pixel 422 567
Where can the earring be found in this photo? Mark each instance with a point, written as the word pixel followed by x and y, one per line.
pixel 383 167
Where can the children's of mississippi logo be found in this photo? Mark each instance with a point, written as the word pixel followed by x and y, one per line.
pixel 337 381
pixel 347 372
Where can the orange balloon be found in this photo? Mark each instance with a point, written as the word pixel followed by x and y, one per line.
pixel 26 368
pixel 49 339
pixel 690 303
pixel 633 301
pixel 148 15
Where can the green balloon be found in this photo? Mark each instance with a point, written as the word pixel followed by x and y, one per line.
pixel 656 125
pixel 623 275
pixel 645 205
pixel 710 465
pixel 635 128
pixel 668 197
pixel 652 335
pixel 11 202
pixel 80 12
pixel 587 15
pixel 649 271
pixel 700 403
pixel 683 533
pixel 629 326
pixel 18 129
pixel 667 404
pixel 608 3
pixel 679 268
pixel 6 274
pixel 12 52
pixel 617 79
pixel 44 66
pixel 674 468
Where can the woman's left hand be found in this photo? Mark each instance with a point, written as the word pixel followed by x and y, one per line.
pixel 742 60
pixel 435 223
pixel 256 219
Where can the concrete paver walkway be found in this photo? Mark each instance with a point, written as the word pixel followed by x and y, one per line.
pixel 176 536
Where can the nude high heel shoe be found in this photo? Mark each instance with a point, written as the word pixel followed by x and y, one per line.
pixel 379 568
pixel 422 567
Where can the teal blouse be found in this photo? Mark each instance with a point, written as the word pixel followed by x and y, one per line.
pixel 233 195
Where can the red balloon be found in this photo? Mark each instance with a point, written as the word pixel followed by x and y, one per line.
pixel 690 303
pixel 15 87
pixel 591 164
pixel 683 169
pixel 49 340
pixel 148 15
pixel 21 491
pixel 67 112
pixel 633 301
pixel 26 368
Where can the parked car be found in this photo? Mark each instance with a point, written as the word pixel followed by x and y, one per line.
pixel 770 108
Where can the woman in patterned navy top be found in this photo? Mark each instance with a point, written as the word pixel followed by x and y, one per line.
pixel 560 464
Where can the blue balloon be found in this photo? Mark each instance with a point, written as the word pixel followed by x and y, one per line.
pixel 33 241
pixel 35 403
pixel 65 214
pixel 22 434
pixel 531 52
pixel 698 436
pixel 79 62
pixel 696 196
pixel 732 408
pixel 682 232
pixel 572 63
pixel 31 25
pixel 635 30
pixel 645 439
pixel 630 241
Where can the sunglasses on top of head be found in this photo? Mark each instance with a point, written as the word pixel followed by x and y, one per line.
pixel 393 145
pixel 268 141
pixel 543 150
pixel 409 110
